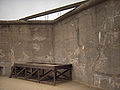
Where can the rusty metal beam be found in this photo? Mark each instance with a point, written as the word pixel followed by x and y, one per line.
pixel 82 7
pixel 53 11
pixel 30 22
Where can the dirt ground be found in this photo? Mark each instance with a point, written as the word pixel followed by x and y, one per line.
pixel 19 84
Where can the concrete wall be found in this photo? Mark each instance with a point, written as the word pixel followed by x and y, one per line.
pixel 24 43
pixel 90 40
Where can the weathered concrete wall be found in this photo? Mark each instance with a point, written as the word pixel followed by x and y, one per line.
pixel 24 43
pixel 90 40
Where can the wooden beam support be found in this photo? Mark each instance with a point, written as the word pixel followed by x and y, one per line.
pixel 15 72
pixel 53 11
pixel 45 75
pixel 32 73
pixel 38 75
pixel 62 74
pixel 54 77
pixel 21 71
pixel 70 73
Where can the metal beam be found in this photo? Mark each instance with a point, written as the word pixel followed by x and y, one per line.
pixel 30 22
pixel 82 7
pixel 53 11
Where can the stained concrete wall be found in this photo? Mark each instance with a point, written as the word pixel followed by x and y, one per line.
pixel 24 43
pixel 90 41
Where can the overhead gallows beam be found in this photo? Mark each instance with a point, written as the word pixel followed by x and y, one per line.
pixel 53 11
pixel 79 9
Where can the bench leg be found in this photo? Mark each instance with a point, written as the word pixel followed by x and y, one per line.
pixel 54 77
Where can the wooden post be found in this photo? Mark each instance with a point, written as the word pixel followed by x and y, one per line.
pixel 42 72
pixel 70 73
pixel 15 72
pixel 25 72
pixel 54 77
pixel 39 75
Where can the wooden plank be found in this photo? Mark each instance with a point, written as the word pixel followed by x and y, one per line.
pixel 44 66
pixel 53 11
pixel 67 66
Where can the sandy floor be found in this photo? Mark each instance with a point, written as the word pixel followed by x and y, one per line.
pixel 18 84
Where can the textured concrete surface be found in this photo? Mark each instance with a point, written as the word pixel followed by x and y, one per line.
pixel 89 40
pixel 18 84
pixel 23 43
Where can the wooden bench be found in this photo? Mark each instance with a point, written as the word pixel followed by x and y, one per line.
pixel 42 72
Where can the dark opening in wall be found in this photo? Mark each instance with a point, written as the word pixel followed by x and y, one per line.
pixel 1 69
